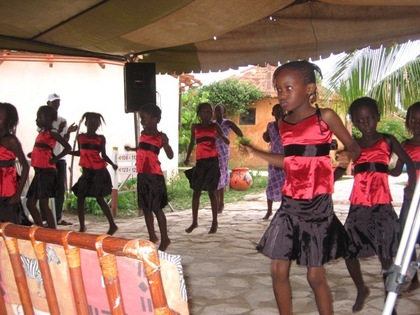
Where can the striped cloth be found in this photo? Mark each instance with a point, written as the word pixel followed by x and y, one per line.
pixel 275 175
pixel 223 150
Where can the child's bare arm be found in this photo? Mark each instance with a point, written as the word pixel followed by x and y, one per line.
pixel 272 158
pixel 67 148
pixel 235 128
pixel 168 149
pixel 191 145
pixel 338 128
pixel 405 159
pixel 105 156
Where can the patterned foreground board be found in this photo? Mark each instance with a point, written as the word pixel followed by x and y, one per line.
pixel 44 271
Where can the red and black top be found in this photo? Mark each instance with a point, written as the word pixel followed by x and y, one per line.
pixel 147 157
pixel 205 137
pixel 8 174
pixel 307 163
pixel 90 151
pixel 43 150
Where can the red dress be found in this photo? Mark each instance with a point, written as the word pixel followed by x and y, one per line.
pixel 151 187
pixel 372 224
pixel 44 182
pixel 8 174
pixel 205 174
pixel 95 180
pixel 8 186
pixel 305 227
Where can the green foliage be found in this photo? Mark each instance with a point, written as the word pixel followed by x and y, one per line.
pixel 383 74
pixel 235 95
pixel 391 126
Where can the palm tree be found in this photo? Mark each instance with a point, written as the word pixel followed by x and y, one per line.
pixel 389 75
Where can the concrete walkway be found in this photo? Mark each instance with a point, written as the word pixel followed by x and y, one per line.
pixel 226 275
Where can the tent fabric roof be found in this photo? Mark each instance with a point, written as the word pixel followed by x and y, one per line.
pixel 202 35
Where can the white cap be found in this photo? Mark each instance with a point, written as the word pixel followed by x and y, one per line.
pixel 53 97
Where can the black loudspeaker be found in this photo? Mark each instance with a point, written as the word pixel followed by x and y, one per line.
pixel 139 85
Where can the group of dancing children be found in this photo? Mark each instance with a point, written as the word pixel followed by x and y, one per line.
pixel 304 228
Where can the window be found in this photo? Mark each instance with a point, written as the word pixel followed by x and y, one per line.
pixel 248 118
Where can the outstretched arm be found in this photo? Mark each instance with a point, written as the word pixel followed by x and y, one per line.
pixel 235 128
pixel 272 158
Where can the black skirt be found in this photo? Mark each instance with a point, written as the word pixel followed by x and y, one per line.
pixel 9 212
pixel 44 184
pixel 204 175
pixel 372 231
pixel 305 230
pixel 151 192
pixel 93 183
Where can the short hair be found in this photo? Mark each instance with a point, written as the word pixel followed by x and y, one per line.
pixel 413 107
pixel 201 105
pixel 152 109
pixel 48 111
pixel 364 102
pixel 12 116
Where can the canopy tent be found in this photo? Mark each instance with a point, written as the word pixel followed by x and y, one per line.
pixel 202 35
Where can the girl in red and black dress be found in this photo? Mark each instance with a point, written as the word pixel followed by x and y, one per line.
pixel 44 183
pixel 151 186
pixel 372 223
pixel 305 227
pixel 412 147
pixel 95 180
pixel 206 173
pixel 11 186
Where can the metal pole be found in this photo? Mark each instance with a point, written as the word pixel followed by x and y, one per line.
pixel 398 272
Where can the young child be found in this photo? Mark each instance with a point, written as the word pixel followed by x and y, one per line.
pixel 44 183
pixel 372 224
pixel 412 147
pixel 206 173
pixel 11 186
pixel 151 187
pixel 275 174
pixel 95 180
pixel 224 152
pixel 305 227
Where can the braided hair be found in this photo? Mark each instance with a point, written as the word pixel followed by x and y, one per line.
pixel 93 115
pixel 307 70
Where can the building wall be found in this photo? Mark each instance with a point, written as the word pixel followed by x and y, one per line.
pixel 85 87
pixel 254 133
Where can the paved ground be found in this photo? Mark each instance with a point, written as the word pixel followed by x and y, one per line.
pixel 225 274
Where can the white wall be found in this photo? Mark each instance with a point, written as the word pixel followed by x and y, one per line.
pixel 85 87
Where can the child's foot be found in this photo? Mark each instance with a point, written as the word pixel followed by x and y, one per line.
pixel 267 216
pixel 112 230
pixel 213 229
pixel 191 228
pixel 154 240
pixel 164 244
pixel 414 285
pixel 82 229
pixel 360 299
pixel 221 208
